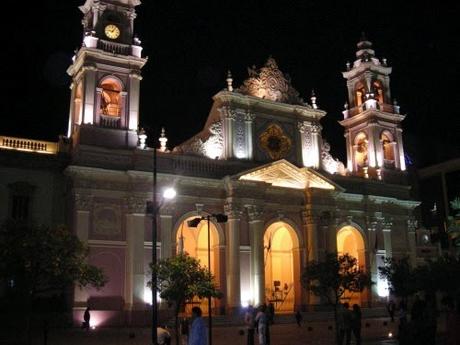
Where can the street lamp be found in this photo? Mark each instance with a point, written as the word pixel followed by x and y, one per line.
pixel 193 223
pixel 153 208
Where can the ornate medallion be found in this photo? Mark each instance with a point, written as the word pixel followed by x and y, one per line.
pixel 275 142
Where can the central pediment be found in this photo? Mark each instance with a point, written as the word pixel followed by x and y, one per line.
pixel 284 174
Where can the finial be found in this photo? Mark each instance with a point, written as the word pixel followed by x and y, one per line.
pixel 229 81
pixel 396 106
pixel 163 140
pixel 384 61
pixel 345 106
pixel 313 99
pixel 136 40
pixel 348 65
pixel 142 138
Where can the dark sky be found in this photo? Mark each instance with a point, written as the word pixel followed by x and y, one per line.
pixel 191 44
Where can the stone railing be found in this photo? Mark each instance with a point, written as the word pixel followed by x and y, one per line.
pixel 112 47
pixel 28 145
pixel 109 121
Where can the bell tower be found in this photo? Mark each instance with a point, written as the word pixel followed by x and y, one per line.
pixel 371 119
pixel 106 75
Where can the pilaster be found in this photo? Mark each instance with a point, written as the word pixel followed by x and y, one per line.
pixel 233 257
pixel 249 124
pixel 256 232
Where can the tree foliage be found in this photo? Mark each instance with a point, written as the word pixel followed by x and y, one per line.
pixel 331 278
pixel 399 275
pixel 435 275
pixel 39 260
pixel 180 279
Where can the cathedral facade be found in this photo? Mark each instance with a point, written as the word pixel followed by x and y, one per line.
pixel 260 159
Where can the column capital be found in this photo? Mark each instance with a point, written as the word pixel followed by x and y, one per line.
pixel 226 112
pixel 303 126
pixel 310 217
pixel 249 117
pixel 83 201
pixel 412 224
pixel 233 211
pixel 255 212
pixel 136 204
pixel 316 128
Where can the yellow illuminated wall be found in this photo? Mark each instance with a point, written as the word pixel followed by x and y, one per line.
pixel 350 241
pixel 279 240
pixel 194 242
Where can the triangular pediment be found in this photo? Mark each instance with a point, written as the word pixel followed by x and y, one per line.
pixel 284 174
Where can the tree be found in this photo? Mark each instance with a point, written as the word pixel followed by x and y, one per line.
pixel 331 278
pixel 180 279
pixel 39 261
pixel 400 277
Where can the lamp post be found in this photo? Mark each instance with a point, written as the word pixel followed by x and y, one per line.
pixel 193 223
pixel 153 208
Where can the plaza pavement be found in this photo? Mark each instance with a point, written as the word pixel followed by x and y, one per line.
pixel 375 331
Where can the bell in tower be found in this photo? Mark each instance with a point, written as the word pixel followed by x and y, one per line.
pixel 106 74
pixel 372 121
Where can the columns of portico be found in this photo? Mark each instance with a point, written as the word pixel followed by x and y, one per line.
pixel 232 228
pixel 168 246
pixel 257 267
pixel 310 226
pixel 135 230
pixel 83 204
pixel 411 226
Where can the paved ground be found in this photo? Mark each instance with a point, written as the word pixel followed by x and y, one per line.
pixel 282 334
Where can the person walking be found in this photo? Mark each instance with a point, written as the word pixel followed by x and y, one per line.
pixel 262 324
pixel 391 307
pixel 198 331
pixel 356 323
pixel 86 319
pixel 298 318
pixel 249 320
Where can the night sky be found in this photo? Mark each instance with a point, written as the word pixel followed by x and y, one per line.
pixel 191 44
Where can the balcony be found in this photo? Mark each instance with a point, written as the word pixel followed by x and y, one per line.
pixel 109 121
pixel 113 47
pixel 28 145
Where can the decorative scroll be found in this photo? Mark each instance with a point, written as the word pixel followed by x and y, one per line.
pixel 270 83
pixel 275 142
pixel 331 165
pixel 212 146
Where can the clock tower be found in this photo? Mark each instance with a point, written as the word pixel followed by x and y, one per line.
pixel 106 75
pixel 371 118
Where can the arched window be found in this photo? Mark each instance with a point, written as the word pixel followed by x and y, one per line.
pixel 378 90
pixel 387 145
pixel 111 97
pixel 77 105
pixel 361 149
pixel 359 94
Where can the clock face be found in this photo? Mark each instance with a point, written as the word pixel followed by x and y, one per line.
pixel 112 31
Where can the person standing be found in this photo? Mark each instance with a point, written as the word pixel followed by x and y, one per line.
pixel 198 332
pixel 86 319
pixel 344 324
pixel 356 323
pixel 298 318
pixel 391 307
pixel 249 320
pixel 262 323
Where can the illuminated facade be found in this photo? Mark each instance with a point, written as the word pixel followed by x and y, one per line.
pixel 260 159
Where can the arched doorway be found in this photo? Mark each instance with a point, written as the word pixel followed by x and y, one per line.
pixel 194 242
pixel 350 241
pixel 281 268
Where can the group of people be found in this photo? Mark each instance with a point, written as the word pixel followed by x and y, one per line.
pixel 349 322
pixel 258 323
